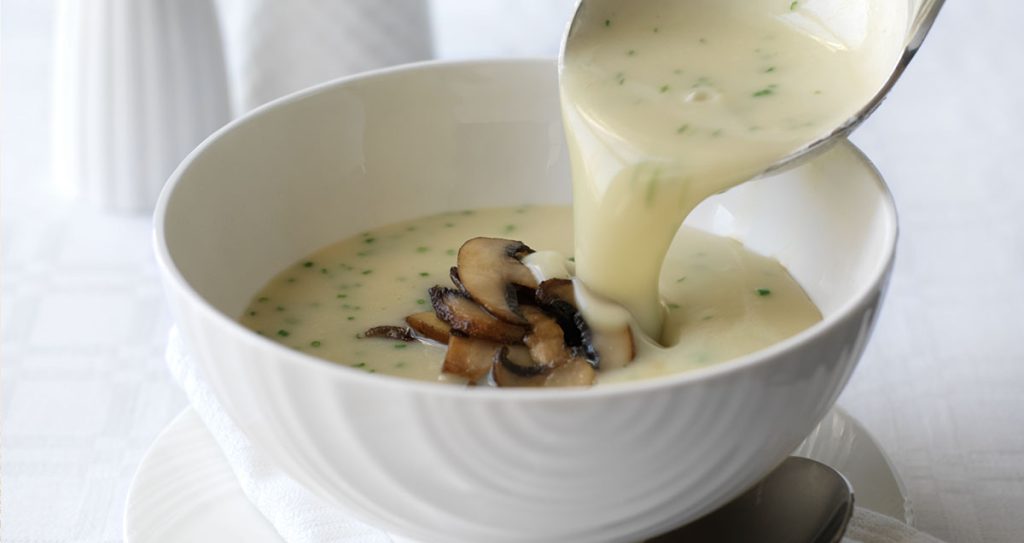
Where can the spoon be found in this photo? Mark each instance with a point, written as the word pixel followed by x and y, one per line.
pixel 802 501
pixel 924 13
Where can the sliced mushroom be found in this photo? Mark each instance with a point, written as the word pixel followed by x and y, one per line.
pixel 577 372
pixel 453 273
pixel 464 315
pixel 546 339
pixel 515 368
pixel 469 357
pixel 489 270
pixel 605 349
pixel 557 290
pixel 400 333
pixel 428 325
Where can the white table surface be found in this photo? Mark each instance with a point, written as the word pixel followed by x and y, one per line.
pixel 84 389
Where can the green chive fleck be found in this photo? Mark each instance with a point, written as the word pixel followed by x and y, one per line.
pixel 263 299
pixel 351 318
pixel 673 306
pixel 769 69
pixel 252 313
pixel 450 252
pixel 343 296
pixel 369 240
pixel 509 228
pixel 681 279
pixel 767 91
pixel 793 5
pixel 763 292
pixel 421 301
pixel 424 274
pixel 307 264
pixel 631 52
pixel 607 22
pixel 422 249
pixel 367 272
pixel 314 343
pixel 400 345
pixel 682 128
pixel 359 365
pixel 283 333
pixel 663 89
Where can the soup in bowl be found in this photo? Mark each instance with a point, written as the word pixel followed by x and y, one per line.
pixel 434 462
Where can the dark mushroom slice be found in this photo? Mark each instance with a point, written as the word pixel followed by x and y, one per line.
pixel 509 365
pixel 546 340
pixel 400 333
pixel 576 373
pixel 551 291
pixel 513 367
pixel 464 315
pixel 490 269
pixel 453 273
pixel 605 349
pixel 468 357
pixel 428 325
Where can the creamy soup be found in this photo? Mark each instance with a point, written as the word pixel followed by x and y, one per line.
pixel 723 300
pixel 667 102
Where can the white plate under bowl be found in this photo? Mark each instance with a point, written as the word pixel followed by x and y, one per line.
pixel 185 492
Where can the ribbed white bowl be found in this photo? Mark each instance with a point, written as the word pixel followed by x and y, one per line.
pixel 437 463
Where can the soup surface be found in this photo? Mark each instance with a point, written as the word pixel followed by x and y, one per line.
pixel 722 300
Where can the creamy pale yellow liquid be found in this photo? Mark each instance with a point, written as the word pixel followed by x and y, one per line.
pixel 723 300
pixel 667 102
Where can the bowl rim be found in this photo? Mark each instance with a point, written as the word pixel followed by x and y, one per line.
pixel 174 277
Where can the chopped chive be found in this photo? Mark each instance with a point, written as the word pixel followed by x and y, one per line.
pixel 769 69
pixel 655 30
pixel 252 313
pixel 424 274
pixel 422 249
pixel 450 252
pixel 793 5
pixel 343 296
pixel 290 280
pixel 763 292
pixel 707 317
pixel 369 240
pixel 572 259
pixel 663 89
pixel 351 318
pixel 399 364
pixel 307 264
pixel 283 333
pixel 400 345
pixel 367 272
pixel 279 308
pixel 681 279
pixel 631 52
pixel 607 22
pixel 314 343
pixel 359 365
pixel 421 301
pixel 673 306
pixel 509 228
pixel 263 299
pixel 682 128
pixel 449 224
pixel 767 91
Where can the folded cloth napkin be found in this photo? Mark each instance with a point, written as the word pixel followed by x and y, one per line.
pixel 302 517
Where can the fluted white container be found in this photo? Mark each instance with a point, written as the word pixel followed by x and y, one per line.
pixel 429 462
pixel 137 84
pixel 275 47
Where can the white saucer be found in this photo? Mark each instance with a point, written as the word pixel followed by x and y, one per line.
pixel 185 492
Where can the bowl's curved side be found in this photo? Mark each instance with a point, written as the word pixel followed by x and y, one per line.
pixel 442 463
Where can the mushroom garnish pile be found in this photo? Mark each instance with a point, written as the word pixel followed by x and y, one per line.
pixel 503 326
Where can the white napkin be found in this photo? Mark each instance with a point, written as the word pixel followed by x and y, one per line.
pixel 299 516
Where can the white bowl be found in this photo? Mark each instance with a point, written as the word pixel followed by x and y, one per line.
pixel 444 463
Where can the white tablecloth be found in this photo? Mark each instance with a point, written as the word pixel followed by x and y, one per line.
pixel 941 385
